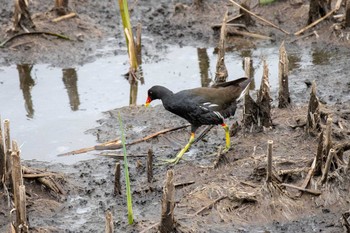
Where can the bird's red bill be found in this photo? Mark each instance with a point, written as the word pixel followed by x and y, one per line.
pixel 148 101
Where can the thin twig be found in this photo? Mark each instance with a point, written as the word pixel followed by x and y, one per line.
pixel 39 175
pixel 240 25
pixel 234 18
pixel 2 45
pixel 249 34
pixel 210 205
pixel 87 149
pixel 120 156
pixel 117 146
pixel 150 227
pixel 345 221
pixel 184 183
pixel 68 16
pixel 311 191
pixel 309 175
pixel 262 19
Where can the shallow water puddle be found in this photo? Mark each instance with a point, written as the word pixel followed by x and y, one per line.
pixel 50 108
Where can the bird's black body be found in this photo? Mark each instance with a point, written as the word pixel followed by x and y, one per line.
pixel 202 106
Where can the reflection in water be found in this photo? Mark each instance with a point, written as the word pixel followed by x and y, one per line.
pixel 70 80
pixel 320 57
pixel 134 80
pixel 248 53
pixel 203 61
pixel 252 84
pixel 294 61
pixel 134 84
pixel 26 83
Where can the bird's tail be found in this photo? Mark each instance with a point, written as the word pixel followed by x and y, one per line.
pixel 245 87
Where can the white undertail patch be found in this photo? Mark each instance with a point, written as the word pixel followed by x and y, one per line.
pixel 243 92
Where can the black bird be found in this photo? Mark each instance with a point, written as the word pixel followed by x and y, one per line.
pixel 202 106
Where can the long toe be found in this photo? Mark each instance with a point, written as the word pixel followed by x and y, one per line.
pixel 169 161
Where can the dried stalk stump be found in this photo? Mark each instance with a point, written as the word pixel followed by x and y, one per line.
pixel 283 66
pixel 246 17
pixel 2 157
pixel 117 187
pixel 336 8
pixel 269 161
pixel 109 223
pixel 318 9
pixel 328 135
pixel 167 223
pixel 327 165
pixel 22 209
pixel 319 156
pixel 250 108
pixel 8 159
pixel 150 166
pixel 264 99
pixel 18 190
pixel 221 71
pixel 61 7
pixel 22 17
pixel 313 113
pixel 347 15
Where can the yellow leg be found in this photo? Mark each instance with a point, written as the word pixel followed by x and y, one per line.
pixel 227 136
pixel 181 153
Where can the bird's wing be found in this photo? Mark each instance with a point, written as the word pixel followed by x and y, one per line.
pixel 197 110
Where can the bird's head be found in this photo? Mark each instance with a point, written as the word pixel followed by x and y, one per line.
pixel 157 92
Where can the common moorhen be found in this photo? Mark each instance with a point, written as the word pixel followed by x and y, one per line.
pixel 202 106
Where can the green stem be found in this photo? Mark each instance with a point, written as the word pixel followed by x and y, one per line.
pixel 126 173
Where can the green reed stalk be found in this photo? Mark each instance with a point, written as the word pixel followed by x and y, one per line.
pixel 124 12
pixel 126 173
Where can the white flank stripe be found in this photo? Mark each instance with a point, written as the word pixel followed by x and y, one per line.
pixel 213 105
pixel 207 103
pixel 218 114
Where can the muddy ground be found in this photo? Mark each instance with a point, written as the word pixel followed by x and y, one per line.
pixel 88 185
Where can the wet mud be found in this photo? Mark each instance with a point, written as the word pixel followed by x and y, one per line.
pixel 248 203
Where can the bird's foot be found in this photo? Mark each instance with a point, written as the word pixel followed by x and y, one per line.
pixel 169 161
pixel 226 149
